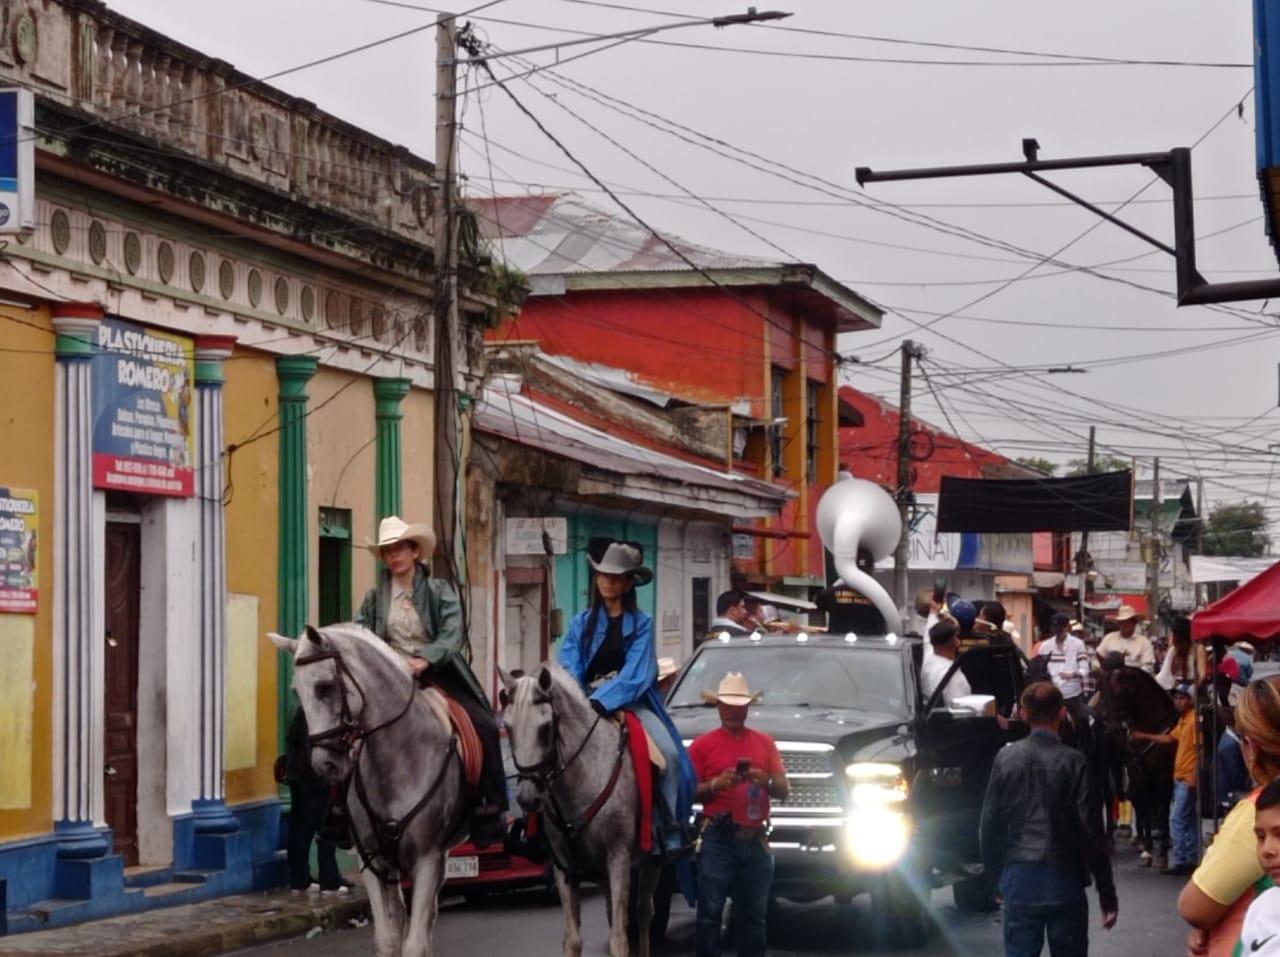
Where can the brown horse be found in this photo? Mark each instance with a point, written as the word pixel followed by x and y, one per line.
pixel 1131 700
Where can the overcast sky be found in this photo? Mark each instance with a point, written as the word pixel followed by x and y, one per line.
pixel 1196 386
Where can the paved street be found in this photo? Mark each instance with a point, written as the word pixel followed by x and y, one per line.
pixel 525 924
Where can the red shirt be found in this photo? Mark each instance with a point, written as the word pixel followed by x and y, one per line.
pixel 718 751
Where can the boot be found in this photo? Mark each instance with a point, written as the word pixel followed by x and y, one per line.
pixel 488 826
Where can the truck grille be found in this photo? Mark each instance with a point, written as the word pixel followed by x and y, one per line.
pixel 811 772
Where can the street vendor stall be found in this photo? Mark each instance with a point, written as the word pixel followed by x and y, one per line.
pixel 1251 611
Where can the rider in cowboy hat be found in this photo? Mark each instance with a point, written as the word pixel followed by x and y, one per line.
pixel 420 617
pixel 609 650
pixel 1135 647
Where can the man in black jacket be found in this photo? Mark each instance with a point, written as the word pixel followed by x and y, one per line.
pixel 1042 834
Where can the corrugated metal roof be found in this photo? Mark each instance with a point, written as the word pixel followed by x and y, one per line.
pixel 560 234
pixel 504 412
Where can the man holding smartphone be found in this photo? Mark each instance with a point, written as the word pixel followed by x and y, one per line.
pixel 739 770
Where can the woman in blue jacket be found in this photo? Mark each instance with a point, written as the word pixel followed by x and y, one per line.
pixel 609 650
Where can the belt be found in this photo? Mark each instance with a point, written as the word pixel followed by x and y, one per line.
pixel 725 827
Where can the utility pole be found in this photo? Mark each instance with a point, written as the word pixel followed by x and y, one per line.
pixel 901 554
pixel 1082 561
pixel 448 441
pixel 1153 558
pixel 1199 587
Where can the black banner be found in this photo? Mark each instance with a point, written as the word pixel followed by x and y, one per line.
pixel 1093 503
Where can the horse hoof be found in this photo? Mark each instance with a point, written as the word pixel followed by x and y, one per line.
pixel 1161 862
pixel 1145 858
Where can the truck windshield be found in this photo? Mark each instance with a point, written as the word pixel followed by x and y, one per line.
pixel 813 676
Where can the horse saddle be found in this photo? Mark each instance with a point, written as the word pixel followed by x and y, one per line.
pixel 656 757
pixel 454 717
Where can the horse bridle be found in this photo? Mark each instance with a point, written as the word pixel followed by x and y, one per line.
pixel 347 732
pixel 345 736
pixel 543 774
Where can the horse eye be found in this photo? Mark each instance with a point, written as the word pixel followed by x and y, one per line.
pixel 323 689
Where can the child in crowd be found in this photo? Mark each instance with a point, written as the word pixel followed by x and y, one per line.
pixel 1260 934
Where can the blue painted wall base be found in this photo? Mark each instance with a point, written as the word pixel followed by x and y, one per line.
pixel 44 889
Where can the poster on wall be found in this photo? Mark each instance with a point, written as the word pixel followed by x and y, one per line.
pixel 19 518
pixel 143 417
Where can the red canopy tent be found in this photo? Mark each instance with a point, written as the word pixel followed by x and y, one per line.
pixel 1251 611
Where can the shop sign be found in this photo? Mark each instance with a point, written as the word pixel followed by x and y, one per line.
pixel 143 414
pixel 19 518
pixel 525 536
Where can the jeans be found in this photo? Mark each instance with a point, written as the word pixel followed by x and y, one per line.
pixel 669 779
pixel 307 809
pixel 1066 925
pixel 730 868
pixel 1184 825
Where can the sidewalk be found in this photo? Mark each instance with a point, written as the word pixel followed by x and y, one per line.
pixel 210 927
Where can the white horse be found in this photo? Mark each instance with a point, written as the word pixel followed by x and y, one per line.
pixel 406 800
pixel 575 768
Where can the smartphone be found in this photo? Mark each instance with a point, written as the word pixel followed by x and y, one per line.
pixel 744 765
pixel 939 589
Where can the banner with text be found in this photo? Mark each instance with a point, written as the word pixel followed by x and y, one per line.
pixel 143 420
pixel 19 518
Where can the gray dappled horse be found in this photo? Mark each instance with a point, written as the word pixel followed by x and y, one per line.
pixel 574 767
pixel 406 800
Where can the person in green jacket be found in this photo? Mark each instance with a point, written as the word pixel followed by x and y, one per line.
pixel 420 617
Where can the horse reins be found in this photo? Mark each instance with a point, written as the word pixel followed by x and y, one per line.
pixel 543 774
pixel 346 736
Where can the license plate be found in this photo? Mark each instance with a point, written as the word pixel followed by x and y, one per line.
pixel 461 867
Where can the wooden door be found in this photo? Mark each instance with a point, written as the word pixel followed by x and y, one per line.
pixel 120 697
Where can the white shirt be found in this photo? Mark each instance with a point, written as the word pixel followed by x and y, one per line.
pixel 1260 934
pixel 1069 659
pixel 932 670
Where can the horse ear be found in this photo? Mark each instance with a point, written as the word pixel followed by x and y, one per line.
pixel 284 644
pixel 312 635
pixel 508 680
pixel 544 679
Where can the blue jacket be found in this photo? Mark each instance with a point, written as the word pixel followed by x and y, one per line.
pixel 636 683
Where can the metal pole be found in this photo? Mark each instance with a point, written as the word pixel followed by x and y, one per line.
pixel 902 552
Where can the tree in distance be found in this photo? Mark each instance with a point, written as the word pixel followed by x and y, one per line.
pixel 1037 463
pixel 1103 463
pixel 1239 529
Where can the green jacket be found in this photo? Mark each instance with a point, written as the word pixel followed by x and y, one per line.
pixel 441 615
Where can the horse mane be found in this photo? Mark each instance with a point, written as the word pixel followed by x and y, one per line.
pixel 1152 705
pixel 563 685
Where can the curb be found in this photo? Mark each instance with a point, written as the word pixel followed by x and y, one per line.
pixel 270 922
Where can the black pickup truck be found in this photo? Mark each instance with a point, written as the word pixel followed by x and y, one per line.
pixel 886 788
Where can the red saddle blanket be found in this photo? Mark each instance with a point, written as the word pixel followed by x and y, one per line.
pixel 638 745
pixel 470 750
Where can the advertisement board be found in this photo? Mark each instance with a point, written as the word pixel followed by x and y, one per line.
pixel 17 161
pixel 143 416
pixel 19 520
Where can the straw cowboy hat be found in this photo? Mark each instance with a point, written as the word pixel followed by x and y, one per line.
pixel 1244 646
pixel 393 529
pixel 667 667
pixel 733 690
pixel 1125 613
pixel 623 558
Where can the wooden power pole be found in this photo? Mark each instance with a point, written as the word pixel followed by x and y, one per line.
pixel 1153 558
pixel 901 554
pixel 1082 560
pixel 448 439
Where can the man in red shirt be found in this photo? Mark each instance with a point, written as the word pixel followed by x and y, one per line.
pixel 738 771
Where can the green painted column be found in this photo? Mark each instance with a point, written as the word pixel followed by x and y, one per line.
pixel 293 372
pixel 388 394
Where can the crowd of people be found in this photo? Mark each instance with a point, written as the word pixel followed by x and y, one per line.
pixel 1040 830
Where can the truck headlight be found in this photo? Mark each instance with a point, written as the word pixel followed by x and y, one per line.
pixel 872 784
pixel 878 829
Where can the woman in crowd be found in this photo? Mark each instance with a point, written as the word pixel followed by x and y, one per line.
pixel 1216 897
